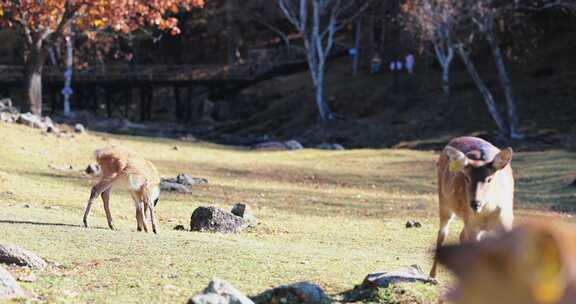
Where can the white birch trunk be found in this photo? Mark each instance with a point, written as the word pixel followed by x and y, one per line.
pixel 488 98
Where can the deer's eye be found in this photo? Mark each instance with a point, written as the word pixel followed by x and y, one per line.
pixel 488 180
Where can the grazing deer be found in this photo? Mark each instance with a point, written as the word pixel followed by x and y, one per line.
pixel 533 264
pixel 139 176
pixel 475 183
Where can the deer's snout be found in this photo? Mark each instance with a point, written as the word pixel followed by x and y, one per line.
pixel 475 205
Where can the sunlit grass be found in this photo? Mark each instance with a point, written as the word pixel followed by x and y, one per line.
pixel 325 217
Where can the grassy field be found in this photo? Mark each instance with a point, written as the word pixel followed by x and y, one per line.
pixel 325 217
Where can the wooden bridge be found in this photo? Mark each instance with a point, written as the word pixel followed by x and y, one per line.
pixel 141 74
pixel 118 88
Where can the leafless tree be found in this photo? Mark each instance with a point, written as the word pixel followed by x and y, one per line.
pixel 318 21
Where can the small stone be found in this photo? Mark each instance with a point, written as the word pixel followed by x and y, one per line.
pixel 174 187
pixel 270 146
pixel 293 145
pixel 27 206
pixel 220 292
pixel 79 128
pixel 179 228
pixel 240 209
pixel 93 169
pixel 383 279
pixel 328 146
pixel 53 207
pixel 28 278
pixel 175 148
pixel 413 224
pixel 302 293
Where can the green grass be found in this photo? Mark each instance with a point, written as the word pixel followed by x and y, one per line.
pixel 325 217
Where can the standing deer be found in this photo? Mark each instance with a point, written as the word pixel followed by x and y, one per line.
pixel 475 183
pixel 139 176
pixel 533 264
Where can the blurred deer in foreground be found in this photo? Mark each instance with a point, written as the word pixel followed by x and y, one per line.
pixel 534 264
pixel 475 183
pixel 123 169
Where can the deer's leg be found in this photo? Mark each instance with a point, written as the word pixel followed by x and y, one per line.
pixel 446 217
pixel 152 215
pixel 106 201
pixel 139 212
pixel 96 191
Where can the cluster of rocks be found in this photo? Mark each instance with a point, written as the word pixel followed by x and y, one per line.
pixel 10 114
pixel 181 183
pixel 222 292
pixel 15 256
pixel 212 219
pixel 292 145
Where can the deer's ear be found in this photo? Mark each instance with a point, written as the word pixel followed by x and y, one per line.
pixel 502 159
pixel 457 160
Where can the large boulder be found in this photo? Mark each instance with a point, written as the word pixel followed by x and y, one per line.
pixel 14 255
pixel 211 219
pixel 383 279
pixel 299 293
pixel 9 288
pixel 220 292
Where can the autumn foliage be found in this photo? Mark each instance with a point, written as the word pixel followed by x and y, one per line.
pixel 43 22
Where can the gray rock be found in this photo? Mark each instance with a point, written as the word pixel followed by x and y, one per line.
pixel 327 146
pixel 7 107
pixel 11 254
pixel 30 120
pixel 213 219
pixel 8 117
pixel 188 180
pixel 79 128
pixel 270 146
pixel 9 288
pixel 220 292
pixel 293 145
pixel 174 187
pixel 383 279
pixel 299 293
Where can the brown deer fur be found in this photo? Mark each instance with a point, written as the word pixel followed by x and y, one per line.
pixel 121 168
pixel 475 183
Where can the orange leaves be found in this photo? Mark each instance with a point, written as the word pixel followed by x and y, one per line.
pixel 88 15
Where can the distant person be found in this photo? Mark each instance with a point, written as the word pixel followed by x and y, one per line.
pixel 376 64
pixel 410 64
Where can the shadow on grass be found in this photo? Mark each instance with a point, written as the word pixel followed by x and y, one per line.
pixel 15 222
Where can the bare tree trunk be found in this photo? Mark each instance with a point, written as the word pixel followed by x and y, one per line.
pixel 506 83
pixel 357 38
pixel 488 98
pixel 33 89
pixel 445 56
